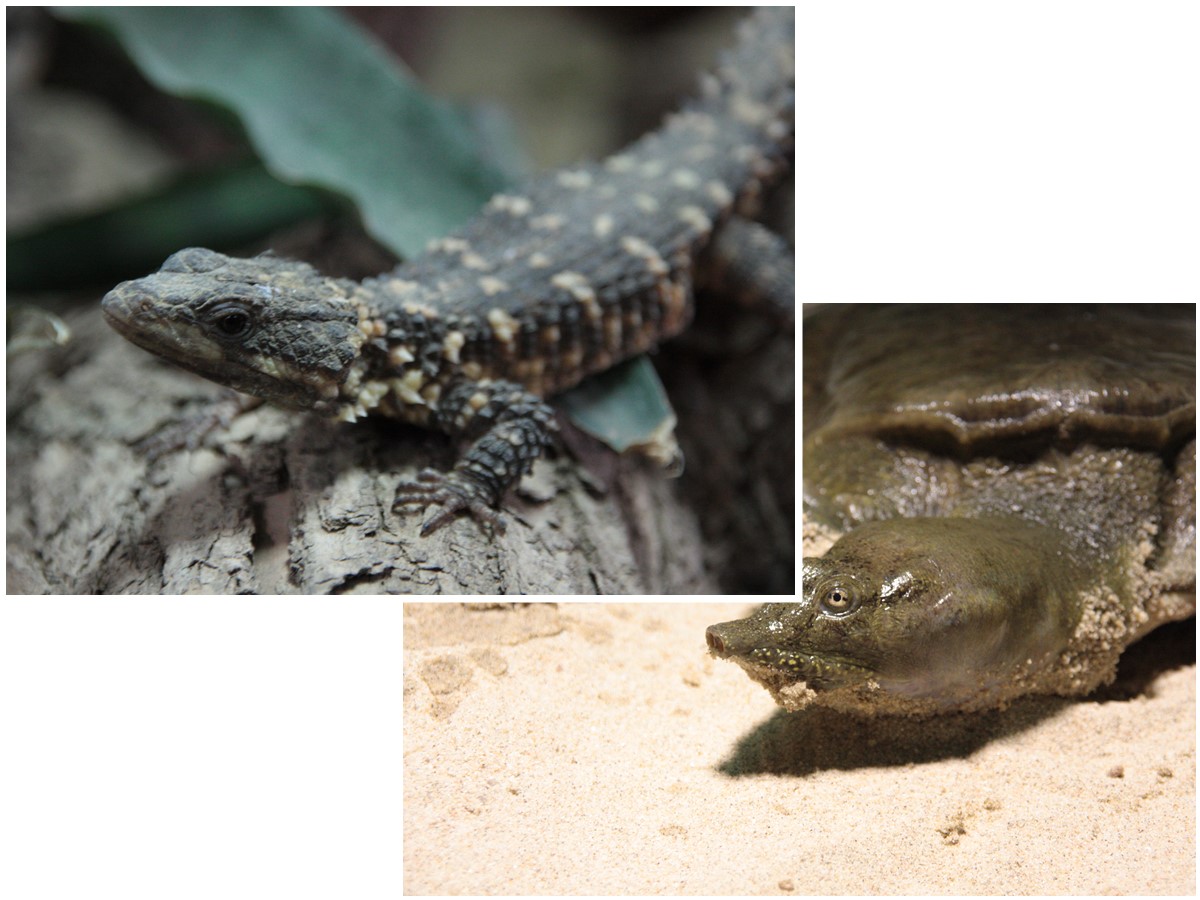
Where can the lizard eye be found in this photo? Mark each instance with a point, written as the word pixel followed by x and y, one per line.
pixel 232 321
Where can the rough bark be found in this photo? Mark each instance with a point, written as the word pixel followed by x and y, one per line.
pixel 282 502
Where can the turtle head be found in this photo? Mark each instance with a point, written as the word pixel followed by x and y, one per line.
pixel 266 326
pixel 857 620
pixel 927 609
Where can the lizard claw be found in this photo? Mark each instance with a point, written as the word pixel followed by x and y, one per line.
pixel 453 492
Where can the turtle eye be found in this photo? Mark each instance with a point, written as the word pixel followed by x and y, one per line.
pixel 838 599
pixel 232 321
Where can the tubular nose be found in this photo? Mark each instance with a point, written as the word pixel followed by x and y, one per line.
pixel 716 643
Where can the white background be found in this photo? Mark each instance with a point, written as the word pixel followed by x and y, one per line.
pixel 1004 151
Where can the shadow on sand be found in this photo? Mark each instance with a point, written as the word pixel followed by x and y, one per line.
pixel 817 739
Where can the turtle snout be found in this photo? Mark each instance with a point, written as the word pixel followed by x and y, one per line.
pixel 716 641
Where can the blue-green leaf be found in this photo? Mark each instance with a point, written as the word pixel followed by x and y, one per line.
pixel 323 105
pixel 627 408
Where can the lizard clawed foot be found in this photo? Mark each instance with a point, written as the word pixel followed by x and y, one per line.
pixel 454 492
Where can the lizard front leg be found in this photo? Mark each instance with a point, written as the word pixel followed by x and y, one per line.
pixel 510 426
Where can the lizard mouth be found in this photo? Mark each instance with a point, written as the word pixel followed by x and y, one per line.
pixel 132 313
pixel 122 310
pixel 137 315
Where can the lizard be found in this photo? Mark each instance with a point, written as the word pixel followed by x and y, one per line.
pixel 565 277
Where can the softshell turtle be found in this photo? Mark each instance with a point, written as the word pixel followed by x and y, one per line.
pixel 1009 495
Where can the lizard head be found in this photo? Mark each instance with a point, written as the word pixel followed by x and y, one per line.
pixel 266 326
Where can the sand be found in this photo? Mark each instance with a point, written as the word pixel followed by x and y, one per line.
pixel 596 749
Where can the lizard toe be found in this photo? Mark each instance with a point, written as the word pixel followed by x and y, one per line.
pixel 452 494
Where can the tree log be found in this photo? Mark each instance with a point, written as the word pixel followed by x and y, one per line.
pixel 281 502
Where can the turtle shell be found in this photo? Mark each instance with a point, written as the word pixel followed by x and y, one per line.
pixel 967 379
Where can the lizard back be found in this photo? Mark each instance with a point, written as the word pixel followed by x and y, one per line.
pixel 595 263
